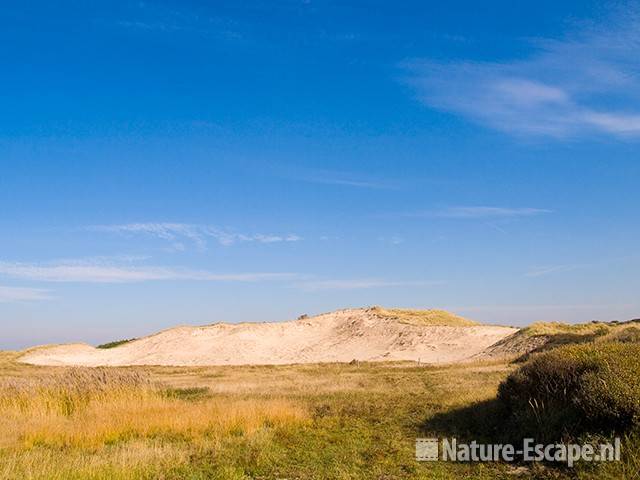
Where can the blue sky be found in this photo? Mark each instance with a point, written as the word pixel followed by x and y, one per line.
pixel 185 162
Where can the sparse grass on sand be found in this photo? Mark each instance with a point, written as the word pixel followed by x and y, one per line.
pixel 544 336
pixel 432 317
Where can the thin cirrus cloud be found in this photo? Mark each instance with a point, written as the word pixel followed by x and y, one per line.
pixel 146 17
pixel 542 271
pixel 583 84
pixel 359 284
pixel 22 294
pixel 335 178
pixel 481 212
pixel 178 233
pixel 91 271
pixel 343 179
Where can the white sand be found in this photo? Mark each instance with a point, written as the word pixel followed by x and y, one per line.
pixel 339 336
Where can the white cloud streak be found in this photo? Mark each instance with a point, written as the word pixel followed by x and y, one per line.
pixel 82 271
pixel 583 84
pixel 338 178
pixel 358 284
pixel 542 271
pixel 197 234
pixel 481 212
pixel 22 294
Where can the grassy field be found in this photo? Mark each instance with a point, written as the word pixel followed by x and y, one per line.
pixel 334 421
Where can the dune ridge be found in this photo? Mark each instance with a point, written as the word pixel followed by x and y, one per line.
pixel 365 334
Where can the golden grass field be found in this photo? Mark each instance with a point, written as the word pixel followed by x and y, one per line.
pixel 331 421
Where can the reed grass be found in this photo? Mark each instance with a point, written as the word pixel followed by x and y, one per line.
pixel 91 408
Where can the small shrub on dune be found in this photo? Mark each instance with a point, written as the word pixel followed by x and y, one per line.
pixel 574 390
pixel 116 343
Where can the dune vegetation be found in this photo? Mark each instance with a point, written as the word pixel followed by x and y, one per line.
pixel 575 390
pixel 330 421
pixel 319 421
pixel 544 336
pixel 115 343
pixel 433 317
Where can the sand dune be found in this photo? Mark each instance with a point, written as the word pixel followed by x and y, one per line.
pixel 371 334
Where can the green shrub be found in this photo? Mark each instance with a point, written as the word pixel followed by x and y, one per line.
pixel 574 390
pixel 116 343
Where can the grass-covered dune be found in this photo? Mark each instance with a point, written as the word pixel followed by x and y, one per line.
pixel 431 317
pixel 544 336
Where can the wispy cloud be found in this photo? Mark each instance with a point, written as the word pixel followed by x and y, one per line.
pixel 176 233
pixel 22 294
pixel 358 284
pixel 341 179
pixel 148 17
pixel 541 271
pixel 585 83
pixel 611 262
pixel 92 271
pixel 480 212
pixel 393 240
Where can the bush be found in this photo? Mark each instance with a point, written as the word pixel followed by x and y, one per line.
pixel 574 390
pixel 117 343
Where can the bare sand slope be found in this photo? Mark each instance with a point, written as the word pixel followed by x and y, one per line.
pixel 369 334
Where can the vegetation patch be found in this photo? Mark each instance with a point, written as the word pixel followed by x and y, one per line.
pixel 574 390
pixel 433 317
pixel 95 407
pixel 312 421
pixel 190 393
pixel 544 336
pixel 116 343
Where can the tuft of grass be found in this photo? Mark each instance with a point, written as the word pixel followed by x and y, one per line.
pixel 189 393
pixel 433 317
pixel 116 343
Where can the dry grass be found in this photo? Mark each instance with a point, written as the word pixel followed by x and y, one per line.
pixel 544 336
pixel 556 328
pixel 128 461
pixel 425 317
pixel 96 407
pixel 602 331
pixel 297 421
pixel 330 421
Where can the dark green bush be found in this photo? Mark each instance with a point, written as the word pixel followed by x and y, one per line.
pixel 574 390
pixel 117 343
